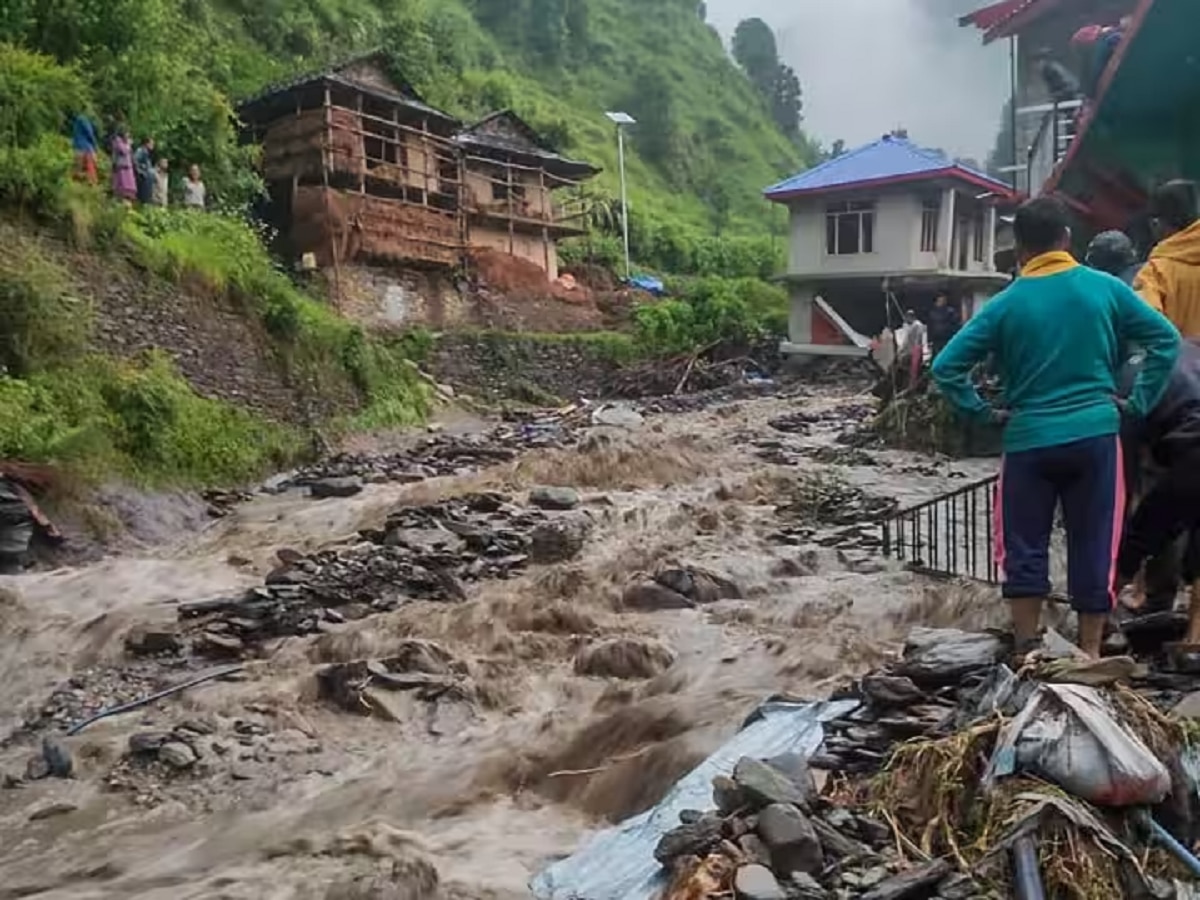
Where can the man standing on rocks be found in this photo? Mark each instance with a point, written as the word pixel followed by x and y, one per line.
pixel 1058 334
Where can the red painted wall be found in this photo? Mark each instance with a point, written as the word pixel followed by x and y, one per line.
pixel 824 331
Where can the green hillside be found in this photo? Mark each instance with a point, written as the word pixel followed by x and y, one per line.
pixel 704 149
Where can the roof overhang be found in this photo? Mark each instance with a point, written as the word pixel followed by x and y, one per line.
pixel 1008 17
pixel 1000 192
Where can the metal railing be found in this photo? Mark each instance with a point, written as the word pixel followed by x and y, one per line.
pixel 951 536
pixel 1050 145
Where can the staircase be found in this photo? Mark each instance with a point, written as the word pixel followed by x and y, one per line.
pixel 1050 145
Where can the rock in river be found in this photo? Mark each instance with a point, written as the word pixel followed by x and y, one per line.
pixel 561 498
pixel 763 784
pixel 624 658
pixel 177 755
pixel 335 487
pixel 757 883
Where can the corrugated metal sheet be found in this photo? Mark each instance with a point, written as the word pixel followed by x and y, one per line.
pixel 890 157
pixel 619 864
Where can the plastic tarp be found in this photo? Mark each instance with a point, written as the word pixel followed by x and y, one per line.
pixel 649 284
pixel 618 863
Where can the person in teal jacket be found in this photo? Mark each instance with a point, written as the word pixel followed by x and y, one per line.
pixel 1059 335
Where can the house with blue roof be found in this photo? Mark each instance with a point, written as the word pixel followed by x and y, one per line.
pixel 883 228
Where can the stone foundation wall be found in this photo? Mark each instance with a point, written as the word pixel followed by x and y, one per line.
pixel 499 366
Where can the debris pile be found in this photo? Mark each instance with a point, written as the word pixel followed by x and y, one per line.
pixel 436 455
pixel 936 778
pixel 369 686
pixel 422 552
pixel 831 512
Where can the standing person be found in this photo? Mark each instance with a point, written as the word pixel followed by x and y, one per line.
pixel 912 349
pixel 1170 509
pixel 1061 427
pixel 143 163
pixel 85 143
pixel 1170 280
pixel 124 180
pixel 162 183
pixel 194 194
pixel 1158 581
pixel 944 322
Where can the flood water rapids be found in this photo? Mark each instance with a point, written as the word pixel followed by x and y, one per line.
pixel 473 800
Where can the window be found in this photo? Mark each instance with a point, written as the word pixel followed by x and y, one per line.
pixel 931 212
pixel 980 227
pixel 849 228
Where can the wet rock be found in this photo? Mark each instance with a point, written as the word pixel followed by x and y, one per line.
pixel 803 886
pixel 727 796
pixel 645 595
pixel 147 742
pixel 210 643
pixel 177 755
pixel 754 849
pixel 911 884
pixel 196 726
pixel 146 641
pixel 617 416
pixel 37 768
pixel 335 487
pixel 791 838
pixel 762 784
pixel 875 833
pixel 836 844
pixel 628 658
pixel 698 585
pixel 557 498
pixel 58 756
pixel 946 655
pixel 696 839
pixel 560 540
pixel 756 882
pixel 51 811
pixel 959 887
pixel 891 690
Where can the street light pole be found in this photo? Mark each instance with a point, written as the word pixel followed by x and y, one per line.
pixel 621 119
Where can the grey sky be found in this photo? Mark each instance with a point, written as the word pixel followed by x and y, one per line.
pixel 868 66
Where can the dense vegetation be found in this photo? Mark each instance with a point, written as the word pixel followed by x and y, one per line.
pixel 708 139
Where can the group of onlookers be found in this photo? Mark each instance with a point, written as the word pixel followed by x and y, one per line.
pixel 138 174
pixel 1085 419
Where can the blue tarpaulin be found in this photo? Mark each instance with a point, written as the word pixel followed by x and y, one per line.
pixel 648 283
pixel 618 863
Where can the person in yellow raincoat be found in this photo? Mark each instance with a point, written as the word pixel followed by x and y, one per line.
pixel 1170 279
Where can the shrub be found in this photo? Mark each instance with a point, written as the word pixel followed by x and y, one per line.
pixel 37 96
pixel 41 322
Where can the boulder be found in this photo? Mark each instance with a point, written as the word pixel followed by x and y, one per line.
pixel 58 756
pixel 177 755
pixel 727 796
pixel 144 641
pixel 791 838
pixel 695 839
pixel 698 585
pixel 559 540
pixel 557 498
pixel 649 596
pixel 335 487
pixel 624 658
pixel 762 784
pixel 755 882
pixel 891 690
pixel 147 742
pixel 910 884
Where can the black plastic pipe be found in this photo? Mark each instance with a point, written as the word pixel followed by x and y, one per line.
pixel 1027 880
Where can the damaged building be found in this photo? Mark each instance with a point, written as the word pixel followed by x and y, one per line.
pixel 361 171
pixel 883 228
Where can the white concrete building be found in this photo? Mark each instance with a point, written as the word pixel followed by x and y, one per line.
pixel 881 229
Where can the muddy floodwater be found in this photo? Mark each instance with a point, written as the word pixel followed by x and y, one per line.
pixel 287 795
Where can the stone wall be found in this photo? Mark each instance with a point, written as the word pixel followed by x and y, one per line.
pixel 390 297
pixel 221 350
pixel 504 366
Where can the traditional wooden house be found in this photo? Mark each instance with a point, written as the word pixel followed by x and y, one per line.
pixel 520 195
pixel 359 168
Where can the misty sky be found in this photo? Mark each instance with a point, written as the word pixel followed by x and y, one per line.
pixel 868 66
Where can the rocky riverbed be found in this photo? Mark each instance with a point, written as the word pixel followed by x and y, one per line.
pixel 451 664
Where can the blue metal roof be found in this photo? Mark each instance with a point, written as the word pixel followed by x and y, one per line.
pixel 891 158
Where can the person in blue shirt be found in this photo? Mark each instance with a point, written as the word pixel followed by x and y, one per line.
pixel 1059 336
pixel 85 144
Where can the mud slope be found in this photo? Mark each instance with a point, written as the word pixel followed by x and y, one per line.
pixel 555 707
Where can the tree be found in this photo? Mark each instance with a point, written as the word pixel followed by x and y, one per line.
pixel 652 105
pixel 756 52
pixel 547 29
pixel 787 102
